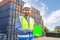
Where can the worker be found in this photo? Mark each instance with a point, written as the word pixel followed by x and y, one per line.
pixel 24 24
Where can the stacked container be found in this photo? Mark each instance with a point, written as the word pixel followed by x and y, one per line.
pixel 8 14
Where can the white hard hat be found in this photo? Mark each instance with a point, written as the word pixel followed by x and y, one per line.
pixel 27 5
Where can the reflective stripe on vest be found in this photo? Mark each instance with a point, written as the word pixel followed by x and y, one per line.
pixel 25 35
pixel 24 23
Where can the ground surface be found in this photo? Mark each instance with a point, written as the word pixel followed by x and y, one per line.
pixel 47 38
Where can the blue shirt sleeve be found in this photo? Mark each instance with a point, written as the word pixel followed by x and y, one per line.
pixel 18 28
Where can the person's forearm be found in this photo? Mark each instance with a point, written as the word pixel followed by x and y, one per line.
pixel 22 30
pixel 25 30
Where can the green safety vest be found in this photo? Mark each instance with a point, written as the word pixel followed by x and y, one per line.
pixel 24 23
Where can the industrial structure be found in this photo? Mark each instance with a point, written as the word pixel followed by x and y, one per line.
pixel 9 11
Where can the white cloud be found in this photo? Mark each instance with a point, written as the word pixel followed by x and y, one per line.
pixel 53 18
pixel 43 9
pixel 1 0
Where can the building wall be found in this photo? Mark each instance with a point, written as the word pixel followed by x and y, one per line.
pixel 41 22
pixel 35 14
pixel 32 11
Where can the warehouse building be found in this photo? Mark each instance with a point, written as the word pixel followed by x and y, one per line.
pixel 36 15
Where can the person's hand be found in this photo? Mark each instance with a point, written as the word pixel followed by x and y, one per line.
pixel 37 35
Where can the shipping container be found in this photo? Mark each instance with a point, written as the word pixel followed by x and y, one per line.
pixel 4 7
pixel 8 15
pixel 6 19
pixel 3 36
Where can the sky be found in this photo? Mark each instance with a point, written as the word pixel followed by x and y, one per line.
pixel 50 11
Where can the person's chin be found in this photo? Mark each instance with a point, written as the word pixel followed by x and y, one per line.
pixel 27 14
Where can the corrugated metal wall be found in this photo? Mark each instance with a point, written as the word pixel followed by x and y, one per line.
pixel 4 17
pixel 8 14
